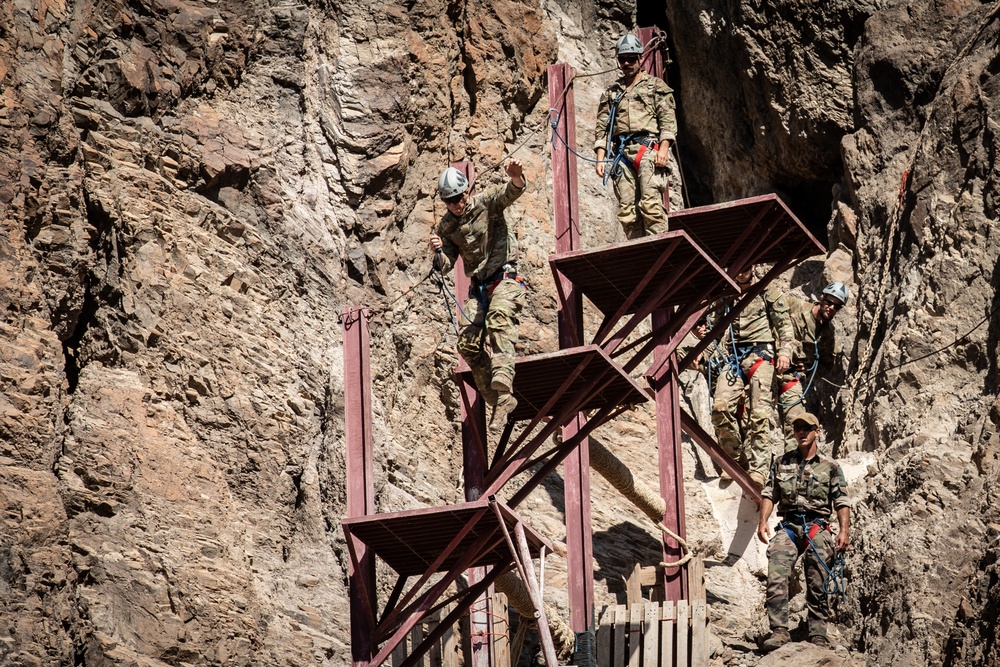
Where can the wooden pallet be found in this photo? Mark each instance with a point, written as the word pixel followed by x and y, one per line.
pixel 656 634
pixel 446 652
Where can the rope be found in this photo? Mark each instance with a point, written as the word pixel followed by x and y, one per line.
pixel 510 585
pixel 611 468
pixel 833 579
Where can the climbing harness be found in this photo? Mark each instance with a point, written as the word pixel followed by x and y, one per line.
pixel 833 577
pixel 799 377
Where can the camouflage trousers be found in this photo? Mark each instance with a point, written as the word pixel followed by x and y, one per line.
pixel 781 556
pixel 753 451
pixel 646 199
pixel 790 406
pixel 487 344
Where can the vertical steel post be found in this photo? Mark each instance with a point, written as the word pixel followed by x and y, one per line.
pixel 653 65
pixel 668 435
pixel 360 476
pixel 474 465
pixel 576 467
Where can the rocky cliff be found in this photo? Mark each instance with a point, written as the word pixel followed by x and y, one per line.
pixel 191 191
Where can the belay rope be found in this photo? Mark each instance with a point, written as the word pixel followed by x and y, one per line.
pixel 833 575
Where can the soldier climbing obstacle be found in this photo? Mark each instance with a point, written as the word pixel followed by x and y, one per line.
pixel 475 228
pixel 813 354
pixel 805 486
pixel 635 125
pixel 749 352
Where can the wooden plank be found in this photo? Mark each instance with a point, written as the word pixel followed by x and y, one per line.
pixel 449 643
pixel 699 633
pixel 633 587
pixel 399 653
pixel 651 634
pixel 621 620
pixel 696 579
pixel 604 630
pixel 634 636
pixel 417 636
pixel 648 575
pixel 433 654
pixel 668 614
pixel 501 630
pixel 683 634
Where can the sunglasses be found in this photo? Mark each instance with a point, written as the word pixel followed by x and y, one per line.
pixel 832 304
pixel 453 200
pixel 798 428
pixel 628 59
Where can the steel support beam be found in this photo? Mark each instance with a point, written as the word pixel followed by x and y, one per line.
pixel 360 476
pixel 668 435
pixel 576 467
pixel 474 463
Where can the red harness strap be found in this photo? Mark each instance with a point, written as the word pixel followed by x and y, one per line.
pixel 640 153
pixel 753 368
pixel 519 279
pixel 788 385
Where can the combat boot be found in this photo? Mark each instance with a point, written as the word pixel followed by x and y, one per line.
pixel 504 407
pixel 779 637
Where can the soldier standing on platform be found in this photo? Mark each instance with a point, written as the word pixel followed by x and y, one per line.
pixel 805 486
pixel 758 338
pixel 475 228
pixel 635 125
pixel 813 353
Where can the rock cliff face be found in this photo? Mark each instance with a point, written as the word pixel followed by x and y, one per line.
pixel 191 191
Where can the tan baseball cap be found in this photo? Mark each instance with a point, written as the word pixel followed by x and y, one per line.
pixel 806 417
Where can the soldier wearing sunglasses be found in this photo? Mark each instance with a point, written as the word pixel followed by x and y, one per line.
pixel 635 125
pixel 813 352
pixel 806 487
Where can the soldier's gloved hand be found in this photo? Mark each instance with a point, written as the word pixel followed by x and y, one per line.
pixel 782 364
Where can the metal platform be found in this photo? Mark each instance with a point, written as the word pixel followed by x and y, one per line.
pixel 747 231
pixel 538 378
pixel 412 541
pixel 670 269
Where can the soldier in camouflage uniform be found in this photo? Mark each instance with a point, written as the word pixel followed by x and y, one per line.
pixel 635 125
pixel 756 339
pixel 813 353
pixel 805 487
pixel 475 228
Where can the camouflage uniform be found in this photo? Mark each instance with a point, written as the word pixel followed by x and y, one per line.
pixel 487 244
pixel 754 334
pixel 803 492
pixel 646 110
pixel 815 341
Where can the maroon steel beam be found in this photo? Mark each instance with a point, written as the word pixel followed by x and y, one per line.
pixel 474 457
pixel 719 455
pixel 360 476
pixel 576 467
pixel 668 435
pixel 652 64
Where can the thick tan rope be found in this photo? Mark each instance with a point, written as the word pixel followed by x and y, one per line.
pixel 563 636
pixel 611 468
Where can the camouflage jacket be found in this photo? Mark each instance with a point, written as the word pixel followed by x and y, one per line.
pixel 812 337
pixel 481 236
pixel 764 320
pixel 814 487
pixel 647 107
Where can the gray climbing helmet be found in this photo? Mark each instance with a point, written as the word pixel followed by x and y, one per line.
pixel 452 183
pixel 628 45
pixel 837 291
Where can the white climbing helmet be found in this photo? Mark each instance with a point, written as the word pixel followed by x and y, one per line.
pixel 837 291
pixel 452 183
pixel 628 45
